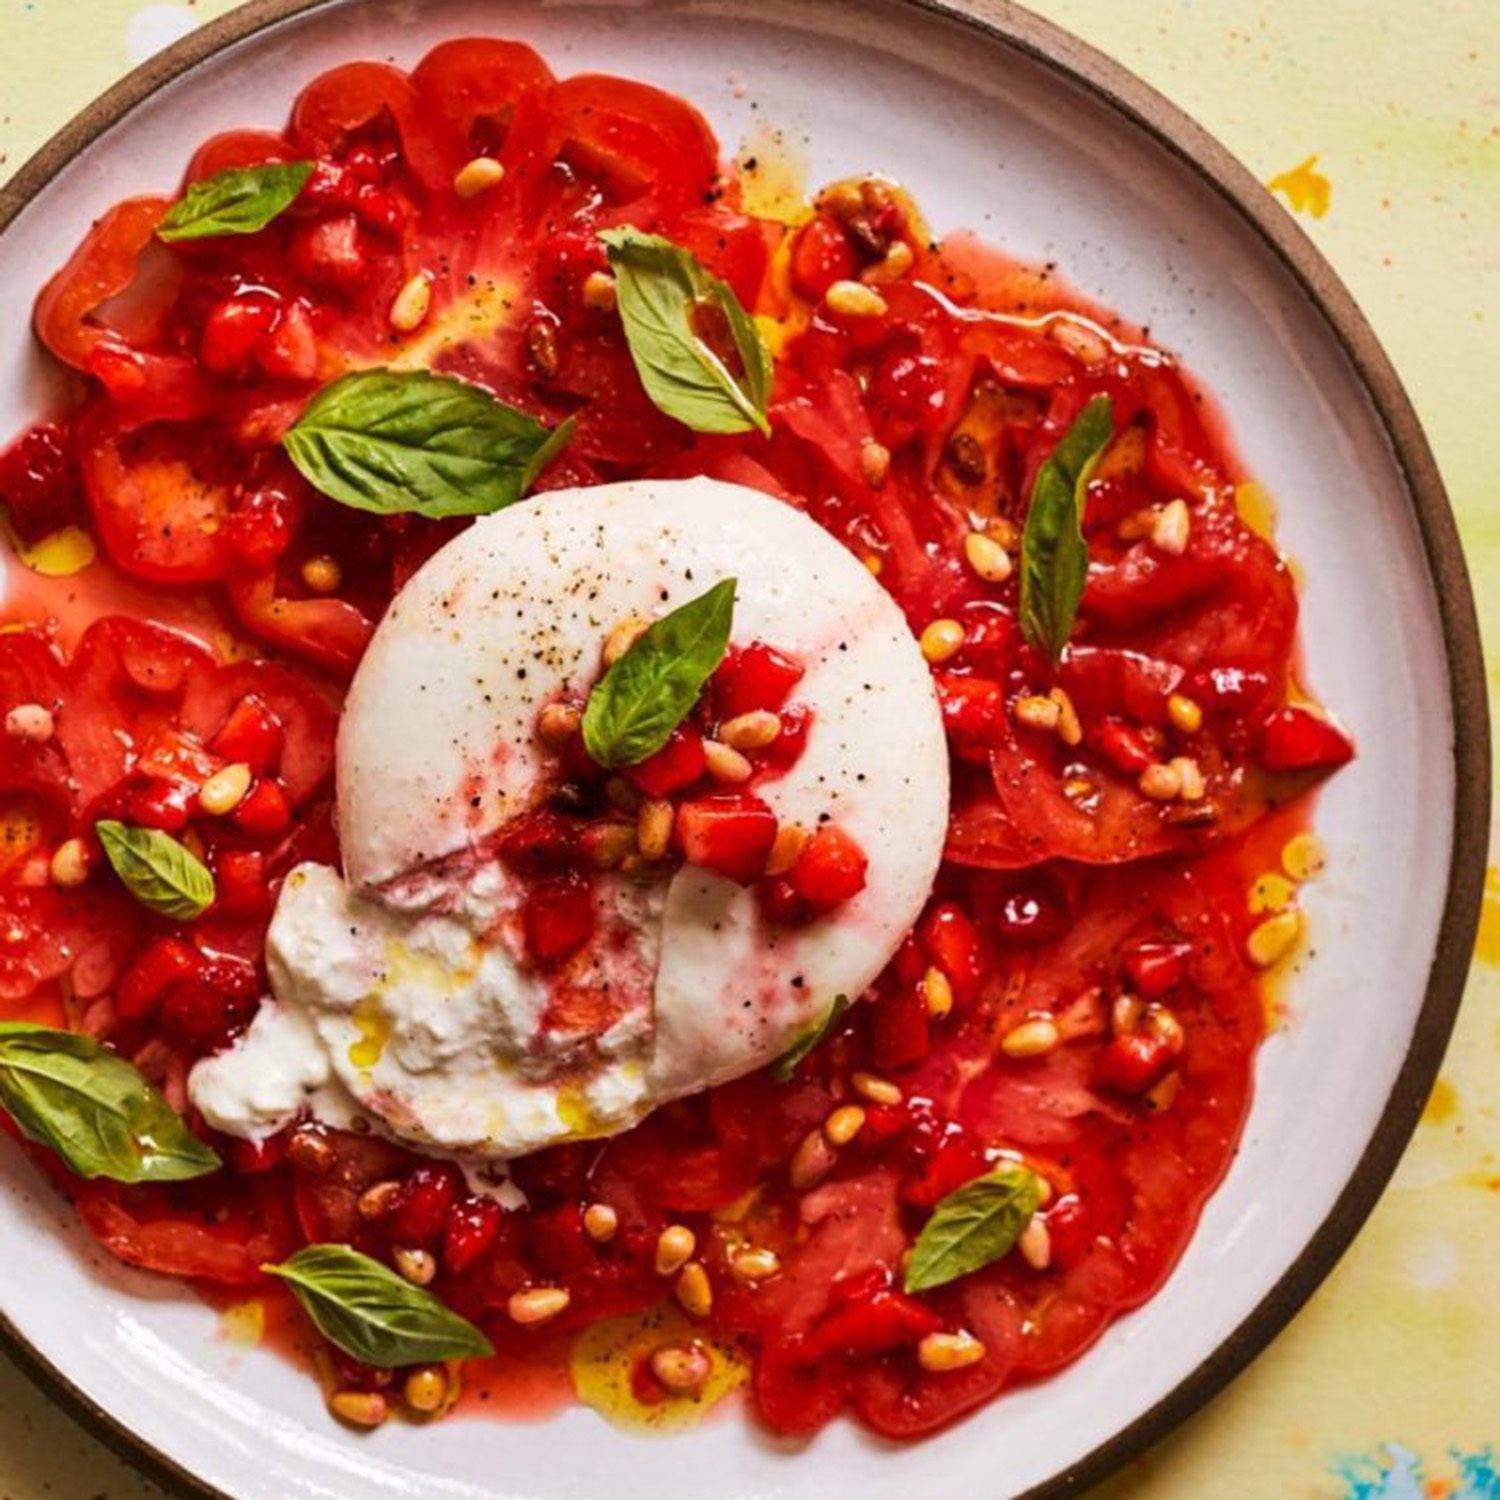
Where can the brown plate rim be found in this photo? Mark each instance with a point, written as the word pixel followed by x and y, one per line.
pixel 1077 63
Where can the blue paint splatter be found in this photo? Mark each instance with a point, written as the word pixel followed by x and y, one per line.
pixel 1397 1473
pixel 1478 1476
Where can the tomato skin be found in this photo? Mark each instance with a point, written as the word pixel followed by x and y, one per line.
pixel 1296 739
pixel 821 255
pixel 39 483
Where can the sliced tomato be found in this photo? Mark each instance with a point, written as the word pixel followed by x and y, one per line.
pixel 331 632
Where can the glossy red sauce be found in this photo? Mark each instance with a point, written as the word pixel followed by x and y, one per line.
pixel 1068 894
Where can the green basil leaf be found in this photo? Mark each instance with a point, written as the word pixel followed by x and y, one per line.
pixel 391 441
pixel 1054 559
pixel 372 1313
pixel 972 1226
pixel 785 1065
pixel 636 705
pixel 238 200
pixel 157 870
pixel 665 298
pixel 93 1108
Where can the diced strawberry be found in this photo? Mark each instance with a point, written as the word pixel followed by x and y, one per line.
pixel 203 1016
pixel 899 1030
pixel 1036 911
pixel 556 1241
pixel 1069 1231
pixel 235 328
pixel 291 352
pixel 782 905
pixel 952 944
pixel 559 918
pixel 1155 969
pixel 1297 739
pixel 240 885
pixel 154 970
pixel 1135 1062
pixel 331 254
pixel 470 1233
pixel 753 677
pixel 540 842
pixel 678 764
pixel 1123 746
pixel 821 255
pixel 380 209
pixel 149 802
pixel 39 483
pixel 259 528
pixel 786 749
pixel 252 733
pixel 730 833
pixel 910 962
pixel 263 809
pixel 950 1161
pixel 831 869
pixel 973 712
pixel 881 1320
pixel 419 1215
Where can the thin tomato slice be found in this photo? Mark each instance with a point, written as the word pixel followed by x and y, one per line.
pixel 330 632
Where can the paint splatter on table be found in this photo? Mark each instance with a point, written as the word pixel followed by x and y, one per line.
pixel 1379 124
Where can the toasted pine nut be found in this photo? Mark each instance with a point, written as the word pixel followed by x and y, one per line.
pixel 674 1248
pixel 379 1199
pixel 409 310
pixel 558 723
pixel 225 789
pixel 1069 729
pixel 876 1090
pixel 941 640
pixel 844 1124
pixel 478 176
pixel 874 462
pixel 537 1304
pixel 754 1265
pixel 323 575
pixel 987 557
pixel 1161 783
pixel 1160 1021
pixel 791 840
pixel 1303 856
pixel 1081 342
pixel 30 723
pixel 694 1292
pixel 1170 530
pixel 1184 713
pixel 937 991
pixel 1036 712
pixel 1031 1038
pixel 841 199
pixel 851 299
pixel 623 637
pixel 1272 939
pixel 724 763
pixel 683 1371
pixel 812 1161
pixel 1189 776
pixel 653 829
pixel 1035 1243
pixel 599 291
pixel 359 1408
pixel 752 731
pixel 70 864
pixel 608 845
pixel 898 260
pixel 600 1222
pixel 940 1352
pixel 1125 1014
pixel 426 1388
pixel 417 1266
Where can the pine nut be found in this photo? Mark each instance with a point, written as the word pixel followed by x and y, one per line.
pixel 811 1162
pixel 538 1304
pixel 682 1371
pixel 874 462
pixel 1161 783
pixel 724 763
pixel 31 723
pixel 841 199
pixel 322 575
pixel 1161 1022
pixel 608 845
pixel 876 1090
pixel 1082 343
pixel 1189 776
pixel 409 310
pixel 378 1200
pixel 426 1389
pixel 1184 713
pixel 1125 1013
pixel 987 557
pixel 941 640
pixel 599 291
pixel 623 637
pixel 600 1222
pixel 754 1265
pixel 852 299
pixel 359 1408
pixel 752 731
pixel 940 1352
pixel 1274 938
pixel 897 261
pixel 1035 1243
pixel 844 1124
pixel 791 840
pixel 70 864
pixel 674 1248
pixel 937 991
pixel 417 1266
pixel 1171 529
pixel 1069 729
pixel 693 1291
pixel 1036 712
pixel 225 789
pixel 478 176
pixel 1033 1038
pixel 558 723
pixel 1303 856
pixel 653 829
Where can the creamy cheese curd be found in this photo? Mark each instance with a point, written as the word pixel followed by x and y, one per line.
pixel 401 988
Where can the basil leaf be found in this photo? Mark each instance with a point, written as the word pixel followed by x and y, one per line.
pixel 665 298
pixel 157 870
pixel 238 200
pixel 785 1065
pixel 636 705
pixel 372 1313
pixel 93 1108
pixel 972 1226
pixel 392 441
pixel 1054 559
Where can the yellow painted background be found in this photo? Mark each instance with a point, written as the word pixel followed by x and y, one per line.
pixel 1400 102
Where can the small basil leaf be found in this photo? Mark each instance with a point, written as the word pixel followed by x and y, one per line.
pixel 391 441
pixel 373 1314
pixel 665 299
pixel 972 1226
pixel 93 1108
pixel 158 871
pixel 1054 558
pixel 785 1065
pixel 636 705
pixel 238 200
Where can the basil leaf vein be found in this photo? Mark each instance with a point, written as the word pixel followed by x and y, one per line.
pixel 393 441
pixel 785 1065
pixel 1054 557
pixel 972 1226
pixel 644 696
pixel 372 1313
pixel 664 297
pixel 160 873
pixel 238 200
pixel 94 1109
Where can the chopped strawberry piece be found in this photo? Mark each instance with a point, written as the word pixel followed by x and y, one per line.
pixel 470 1233
pixel 730 833
pixel 782 905
pixel 786 749
pixel 235 329
pixel 753 677
pixel 559 918
pixel 263 809
pixel 1069 1231
pixel 252 733
pixel 1155 969
pixel 149 802
pixel 1297 739
pixel 540 842
pixel 291 352
pixel 899 1033
pixel 419 1215
pixel 881 1320
pixel 204 1017
pixel 952 943
pixel 831 869
pixel 252 1157
pixel 677 765
pixel 973 712
pixel 944 1165
pixel 1124 746
pixel 1135 1062
pixel 155 969
pixel 821 255
pixel 39 482
pixel 240 884
pixel 331 254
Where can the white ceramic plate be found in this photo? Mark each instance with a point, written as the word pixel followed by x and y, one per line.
pixel 1002 124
